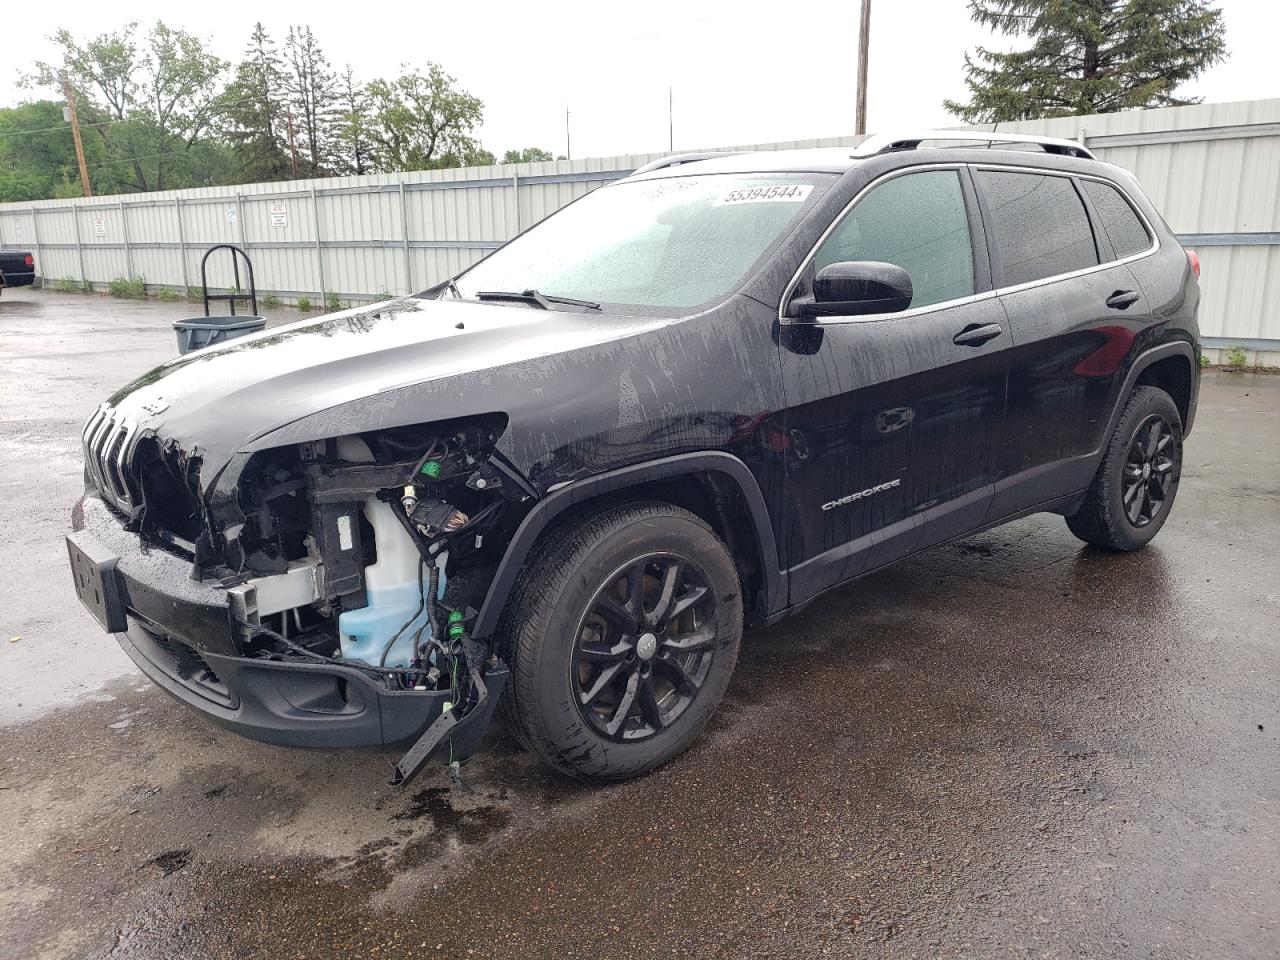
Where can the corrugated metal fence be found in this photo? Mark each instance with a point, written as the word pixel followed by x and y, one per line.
pixel 1213 169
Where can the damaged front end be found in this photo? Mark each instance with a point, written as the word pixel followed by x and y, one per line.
pixel 330 585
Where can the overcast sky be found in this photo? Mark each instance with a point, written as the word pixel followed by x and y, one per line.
pixel 741 72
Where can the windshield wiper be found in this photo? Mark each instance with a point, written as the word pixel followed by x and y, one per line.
pixel 542 301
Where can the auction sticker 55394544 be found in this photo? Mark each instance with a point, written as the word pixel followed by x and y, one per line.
pixel 775 193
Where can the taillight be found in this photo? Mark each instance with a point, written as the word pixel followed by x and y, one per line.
pixel 30 261
pixel 1195 263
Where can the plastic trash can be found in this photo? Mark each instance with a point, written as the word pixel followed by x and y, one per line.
pixel 205 331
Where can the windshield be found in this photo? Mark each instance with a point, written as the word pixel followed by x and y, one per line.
pixel 658 245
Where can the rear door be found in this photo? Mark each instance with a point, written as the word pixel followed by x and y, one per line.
pixel 891 423
pixel 1074 312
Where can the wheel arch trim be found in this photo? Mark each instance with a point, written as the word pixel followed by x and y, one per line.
pixel 540 517
pixel 1183 348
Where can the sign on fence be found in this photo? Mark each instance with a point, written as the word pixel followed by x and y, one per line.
pixel 279 215
pixel 99 226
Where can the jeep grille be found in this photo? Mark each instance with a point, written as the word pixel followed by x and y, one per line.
pixel 108 441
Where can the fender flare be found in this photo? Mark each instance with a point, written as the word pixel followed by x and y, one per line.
pixel 556 502
pixel 1183 348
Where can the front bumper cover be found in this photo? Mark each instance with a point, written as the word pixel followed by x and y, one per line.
pixel 184 636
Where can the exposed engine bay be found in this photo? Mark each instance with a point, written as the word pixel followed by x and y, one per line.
pixel 369 551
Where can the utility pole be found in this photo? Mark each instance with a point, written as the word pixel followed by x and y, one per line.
pixel 864 36
pixel 293 148
pixel 75 135
pixel 568 154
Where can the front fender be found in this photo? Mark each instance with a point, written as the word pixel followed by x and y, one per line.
pixel 540 517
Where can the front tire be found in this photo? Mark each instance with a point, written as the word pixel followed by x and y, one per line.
pixel 1133 491
pixel 622 634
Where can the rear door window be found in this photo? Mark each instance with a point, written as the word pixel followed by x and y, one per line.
pixel 1039 226
pixel 916 221
pixel 1125 230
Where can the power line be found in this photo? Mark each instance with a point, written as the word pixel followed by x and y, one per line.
pixel 61 126
pixel 107 123
pixel 144 156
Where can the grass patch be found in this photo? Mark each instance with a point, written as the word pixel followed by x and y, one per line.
pixel 1237 358
pixel 167 295
pixel 128 288
pixel 71 285
pixel 304 304
pixel 271 301
pixel 195 295
pixel 332 303
pixel 382 295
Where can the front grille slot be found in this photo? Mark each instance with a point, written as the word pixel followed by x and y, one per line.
pixel 183 663
pixel 108 441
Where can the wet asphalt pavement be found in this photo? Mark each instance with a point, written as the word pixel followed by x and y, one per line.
pixel 1013 746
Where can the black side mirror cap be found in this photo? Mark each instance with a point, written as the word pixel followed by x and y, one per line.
pixel 858 288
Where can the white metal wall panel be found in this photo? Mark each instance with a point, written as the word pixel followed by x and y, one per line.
pixel 1240 290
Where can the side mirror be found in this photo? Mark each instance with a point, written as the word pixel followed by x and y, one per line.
pixel 857 288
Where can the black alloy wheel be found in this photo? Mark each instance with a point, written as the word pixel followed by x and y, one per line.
pixel 644 647
pixel 1133 491
pixel 1148 471
pixel 622 634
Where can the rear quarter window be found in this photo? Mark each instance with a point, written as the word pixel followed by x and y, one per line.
pixel 1121 222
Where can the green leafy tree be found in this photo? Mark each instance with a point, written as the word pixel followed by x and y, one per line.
pixel 527 155
pixel 103 67
pixel 1088 56
pixel 152 100
pixel 313 97
pixel 255 124
pixel 477 156
pixel 37 155
pixel 422 121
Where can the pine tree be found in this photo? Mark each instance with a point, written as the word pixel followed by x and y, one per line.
pixel 1088 56
pixel 256 124
pixel 351 134
pixel 313 97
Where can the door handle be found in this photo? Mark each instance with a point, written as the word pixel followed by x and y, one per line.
pixel 976 334
pixel 1123 299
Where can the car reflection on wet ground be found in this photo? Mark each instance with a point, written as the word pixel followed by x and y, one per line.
pixel 1010 746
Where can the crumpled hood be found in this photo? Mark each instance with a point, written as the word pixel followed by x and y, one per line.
pixel 218 400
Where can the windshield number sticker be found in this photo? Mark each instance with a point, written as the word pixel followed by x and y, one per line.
pixel 777 193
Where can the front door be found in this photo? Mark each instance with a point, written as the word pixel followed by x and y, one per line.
pixel 892 420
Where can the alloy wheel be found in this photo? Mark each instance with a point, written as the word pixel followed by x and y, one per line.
pixel 1148 473
pixel 644 647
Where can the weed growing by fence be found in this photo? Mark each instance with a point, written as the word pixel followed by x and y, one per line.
pixel 129 288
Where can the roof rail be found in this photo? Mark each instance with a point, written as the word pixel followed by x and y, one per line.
pixel 676 159
pixel 885 143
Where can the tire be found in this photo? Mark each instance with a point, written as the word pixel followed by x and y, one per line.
pixel 572 617
pixel 1133 474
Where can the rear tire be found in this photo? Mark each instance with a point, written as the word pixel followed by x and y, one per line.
pixel 622 634
pixel 1133 491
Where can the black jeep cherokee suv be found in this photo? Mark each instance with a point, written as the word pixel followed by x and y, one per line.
pixel 564 480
